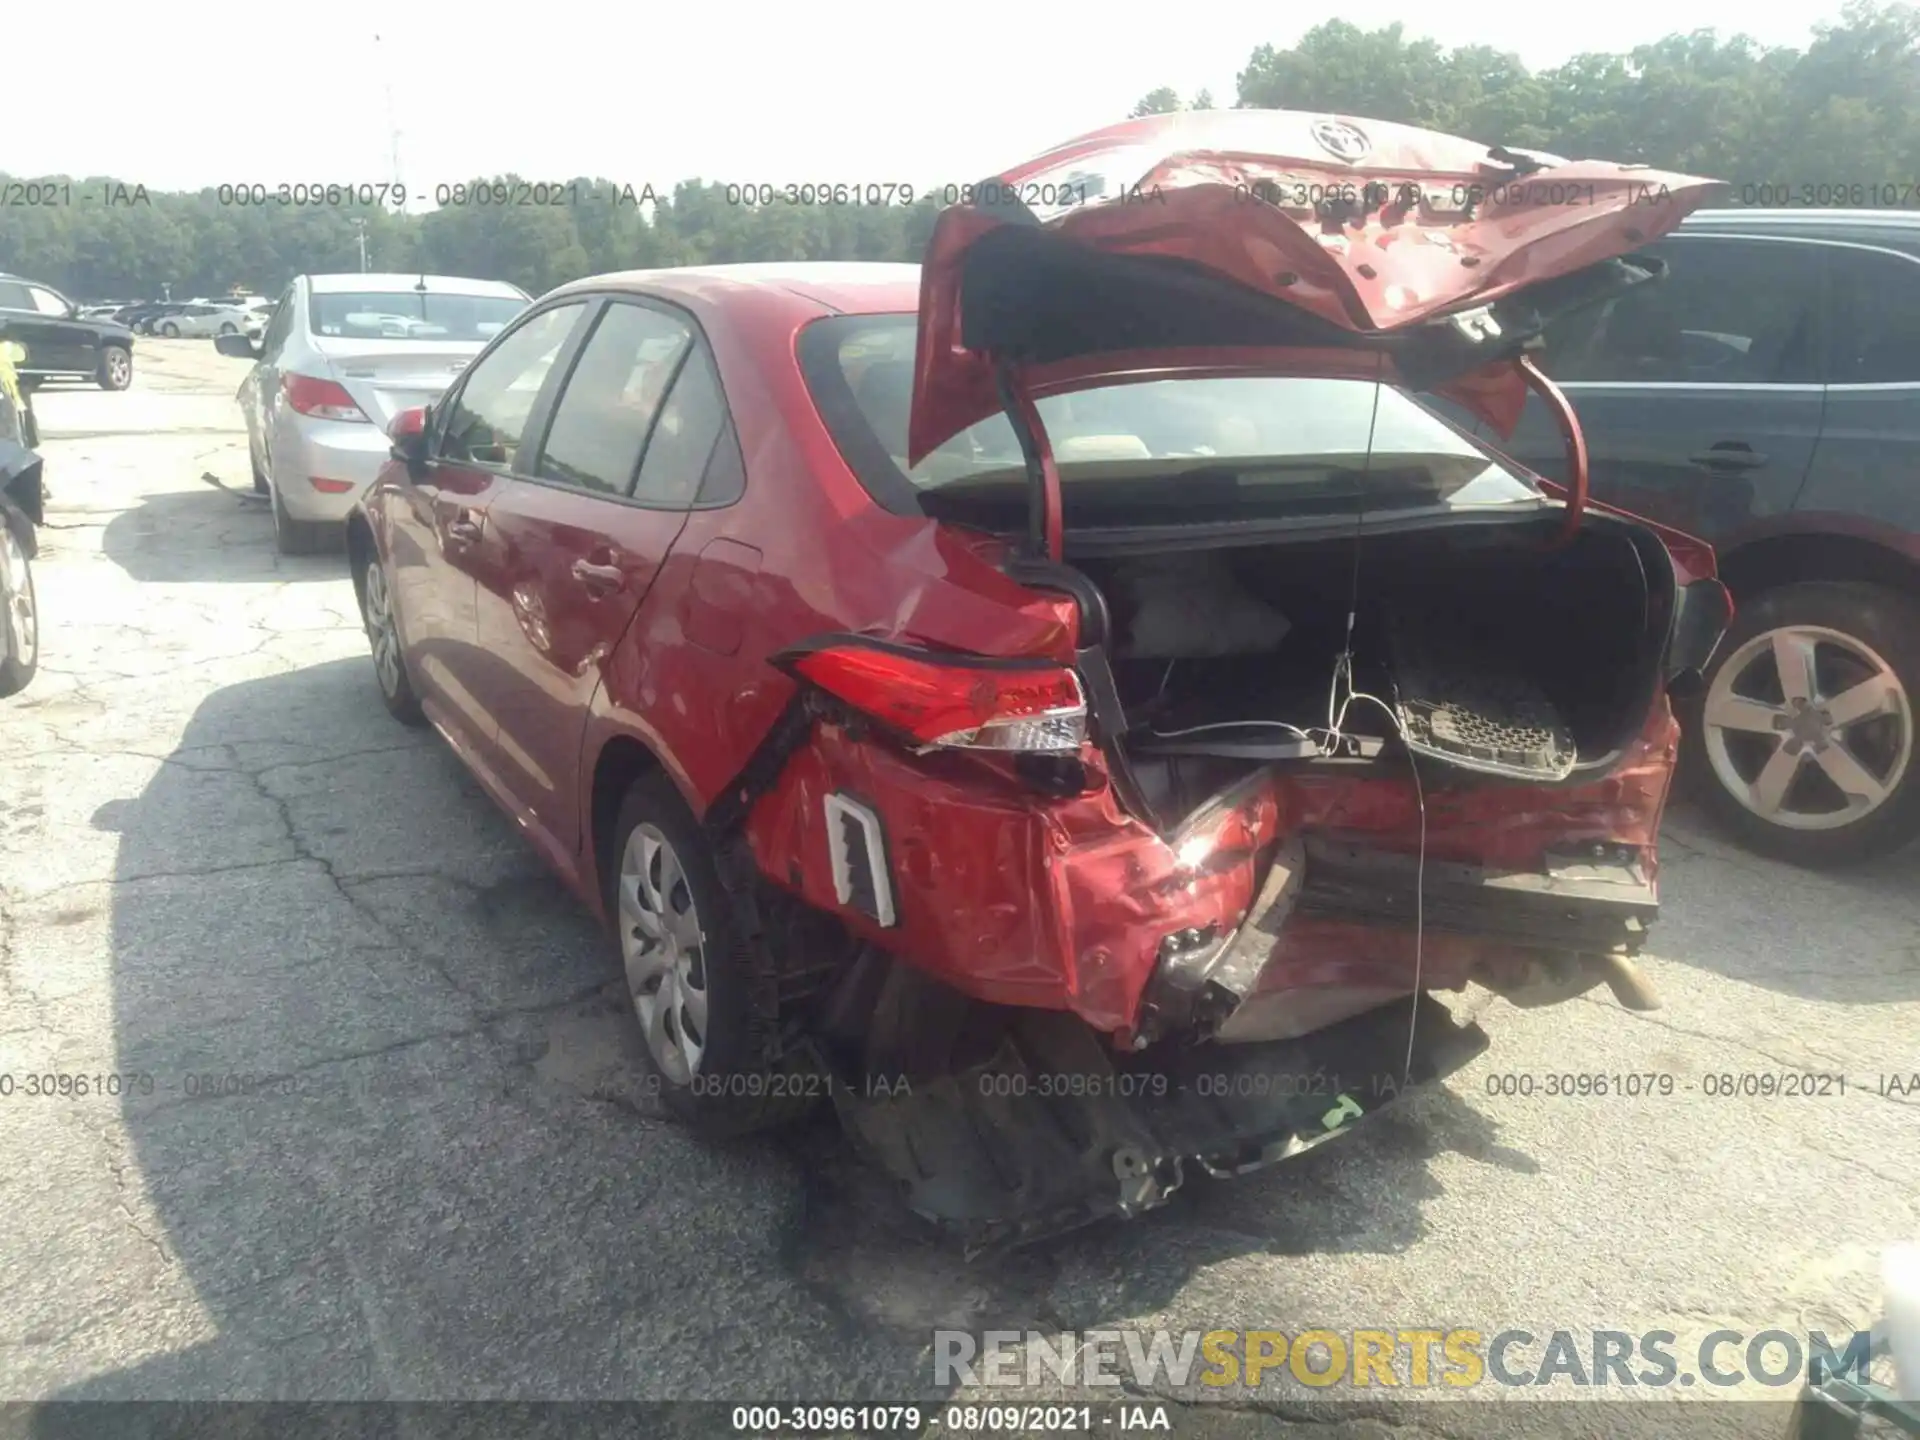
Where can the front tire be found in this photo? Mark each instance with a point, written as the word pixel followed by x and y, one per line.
pixel 1805 742
pixel 689 971
pixel 170 330
pixel 116 368
pixel 383 637
pixel 19 613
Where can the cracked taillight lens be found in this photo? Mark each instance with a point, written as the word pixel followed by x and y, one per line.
pixel 951 702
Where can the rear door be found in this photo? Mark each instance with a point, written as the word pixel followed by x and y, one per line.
pixel 263 380
pixel 573 548
pixel 1700 395
pixel 476 440
pixel 1868 462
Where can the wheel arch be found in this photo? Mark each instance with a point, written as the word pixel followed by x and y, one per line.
pixel 622 760
pixel 361 548
pixel 1839 548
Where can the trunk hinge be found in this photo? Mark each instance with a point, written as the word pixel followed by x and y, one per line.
pixel 1045 526
pixel 1570 435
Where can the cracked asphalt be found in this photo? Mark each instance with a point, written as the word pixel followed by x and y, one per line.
pixel 220 858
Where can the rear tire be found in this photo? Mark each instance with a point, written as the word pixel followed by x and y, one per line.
pixel 1863 639
pixel 170 330
pixel 19 614
pixel 296 537
pixel 689 972
pixel 260 486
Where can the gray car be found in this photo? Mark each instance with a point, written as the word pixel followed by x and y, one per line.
pixel 1766 396
pixel 342 355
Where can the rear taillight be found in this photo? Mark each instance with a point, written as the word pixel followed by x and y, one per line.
pixel 947 701
pixel 322 399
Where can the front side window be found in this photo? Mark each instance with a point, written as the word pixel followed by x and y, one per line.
pixel 601 422
pixel 1728 312
pixel 1162 451
pixel 48 303
pixel 488 418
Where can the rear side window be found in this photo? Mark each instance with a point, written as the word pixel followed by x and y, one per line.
pixel 1728 312
pixel 15 296
pixel 488 418
pixel 683 441
pixel 601 422
pixel 1877 341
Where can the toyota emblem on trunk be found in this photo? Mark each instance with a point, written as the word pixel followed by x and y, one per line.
pixel 1341 140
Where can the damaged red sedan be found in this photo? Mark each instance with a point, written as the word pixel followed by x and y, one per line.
pixel 1069 702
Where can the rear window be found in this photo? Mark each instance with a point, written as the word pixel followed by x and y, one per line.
pixel 1155 451
pixel 411 315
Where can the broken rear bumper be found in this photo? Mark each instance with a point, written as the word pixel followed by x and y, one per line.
pixel 1056 1130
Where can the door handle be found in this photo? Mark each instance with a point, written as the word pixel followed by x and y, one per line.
pixel 599 579
pixel 1728 455
pixel 464 528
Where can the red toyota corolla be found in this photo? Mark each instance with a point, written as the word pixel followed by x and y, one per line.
pixel 1069 702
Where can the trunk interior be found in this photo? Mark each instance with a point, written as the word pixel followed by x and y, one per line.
pixel 1505 660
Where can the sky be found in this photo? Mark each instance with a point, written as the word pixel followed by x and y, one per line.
pixel 856 92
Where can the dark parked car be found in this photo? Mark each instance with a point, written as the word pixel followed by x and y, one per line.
pixel 60 345
pixel 975 675
pixel 22 508
pixel 1766 396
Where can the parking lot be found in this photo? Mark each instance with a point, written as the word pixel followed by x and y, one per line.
pixel 220 857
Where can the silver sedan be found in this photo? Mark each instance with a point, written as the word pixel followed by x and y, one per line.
pixel 342 355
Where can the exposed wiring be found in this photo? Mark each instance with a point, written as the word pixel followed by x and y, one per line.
pixel 1419 875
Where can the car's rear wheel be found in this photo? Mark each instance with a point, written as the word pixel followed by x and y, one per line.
pixel 115 371
pixel 689 971
pixel 19 618
pixel 259 470
pixel 1805 742
pixel 170 330
pixel 383 636
pixel 295 537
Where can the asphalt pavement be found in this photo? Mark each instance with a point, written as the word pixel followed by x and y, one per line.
pixel 219 857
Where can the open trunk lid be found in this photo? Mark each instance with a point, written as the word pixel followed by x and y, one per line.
pixel 1274 242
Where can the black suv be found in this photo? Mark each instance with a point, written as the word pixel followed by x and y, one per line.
pixel 59 344
pixel 1766 396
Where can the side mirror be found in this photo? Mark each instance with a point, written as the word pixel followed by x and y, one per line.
pixel 408 432
pixel 240 347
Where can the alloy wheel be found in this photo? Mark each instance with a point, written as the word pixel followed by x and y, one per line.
pixel 16 596
pixel 1808 728
pixel 382 634
pixel 664 948
pixel 119 367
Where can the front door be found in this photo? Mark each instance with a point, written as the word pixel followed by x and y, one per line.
pixel 573 549
pixel 474 445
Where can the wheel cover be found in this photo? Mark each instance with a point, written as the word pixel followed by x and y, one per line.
pixel 119 366
pixel 665 950
pixel 16 600
pixel 382 634
pixel 1808 728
